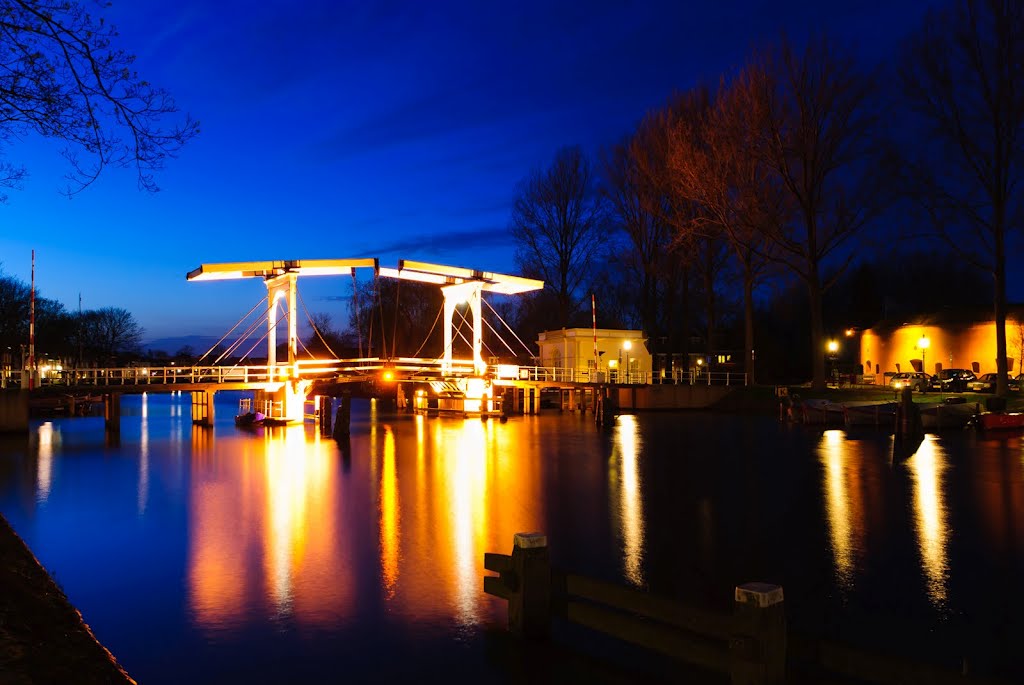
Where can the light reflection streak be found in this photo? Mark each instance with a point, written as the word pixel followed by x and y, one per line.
pixel 265 531
pixel 143 488
pixel 844 530
pixel 390 516
pixel 926 468
pixel 631 517
pixel 44 468
pixel 469 497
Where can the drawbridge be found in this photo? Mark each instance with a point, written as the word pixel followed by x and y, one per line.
pixel 282 385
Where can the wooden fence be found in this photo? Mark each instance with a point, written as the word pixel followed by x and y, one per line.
pixel 749 646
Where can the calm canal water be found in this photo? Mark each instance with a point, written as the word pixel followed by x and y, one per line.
pixel 279 556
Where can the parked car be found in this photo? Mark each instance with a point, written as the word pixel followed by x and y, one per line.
pixel 952 380
pixel 915 380
pixel 986 382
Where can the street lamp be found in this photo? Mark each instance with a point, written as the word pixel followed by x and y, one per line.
pixel 924 343
pixel 833 351
pixel 627 345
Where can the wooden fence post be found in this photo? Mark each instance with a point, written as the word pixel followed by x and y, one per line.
pixel 525 581
pixel 759 646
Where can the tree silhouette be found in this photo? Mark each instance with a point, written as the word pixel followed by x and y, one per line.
pixel 962 77
pixel 62 77
pixel 558 226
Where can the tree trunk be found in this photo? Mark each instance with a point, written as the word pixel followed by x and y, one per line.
pixel 709 300
pixel 818 381
pixel 748 324
pixel 1002 387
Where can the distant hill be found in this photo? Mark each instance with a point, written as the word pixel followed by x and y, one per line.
pixel 198 343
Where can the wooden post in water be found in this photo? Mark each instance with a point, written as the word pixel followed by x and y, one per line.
pixel 525 581
pixel 342 419
pixel 112 412
pixel 324 407
pixel 758 648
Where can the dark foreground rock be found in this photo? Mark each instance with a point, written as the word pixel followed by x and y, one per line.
pixel 43 639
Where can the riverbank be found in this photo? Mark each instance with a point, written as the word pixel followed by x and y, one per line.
pixel 763 399
pixel 43 638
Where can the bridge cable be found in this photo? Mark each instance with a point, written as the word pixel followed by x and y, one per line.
pixel 528 350
pixel 262 338
pixel 437 318
pixel 394 323
pixel 230 331
pixel 355 308
pixel 380 313
pixel 244 336
pixel 313 326
pixel 490 352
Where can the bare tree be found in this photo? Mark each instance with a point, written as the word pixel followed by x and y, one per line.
pixel 812 116
pixel 62 77
pixel 644 259
pixel 711 165
pixel 109 332
pixel 963 77
pixel 558 226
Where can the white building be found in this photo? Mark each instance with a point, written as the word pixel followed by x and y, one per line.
pixel 608 351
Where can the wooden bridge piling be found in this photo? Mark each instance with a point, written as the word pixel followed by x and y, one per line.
pixel 112 412
pixel 343 417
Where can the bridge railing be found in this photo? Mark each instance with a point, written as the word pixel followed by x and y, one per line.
pixel 554 374
pixel 162 375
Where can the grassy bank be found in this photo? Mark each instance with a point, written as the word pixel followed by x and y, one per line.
pixel 43 639
pixel 762 399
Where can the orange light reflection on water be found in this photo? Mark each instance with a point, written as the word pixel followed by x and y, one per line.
pixel 844 503
pixel 625 481
pixel 276 523
pixel 265 537
pixel 930 517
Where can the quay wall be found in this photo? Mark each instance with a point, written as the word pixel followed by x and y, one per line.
pixel 671 396
pixel 14 412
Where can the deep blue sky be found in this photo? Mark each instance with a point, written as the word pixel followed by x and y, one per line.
pixel 387 129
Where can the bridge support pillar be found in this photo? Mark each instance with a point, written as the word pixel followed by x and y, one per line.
pixel 14 412
pixel 324 406
pixel 342 418
pixel 202 407
pixel 112 412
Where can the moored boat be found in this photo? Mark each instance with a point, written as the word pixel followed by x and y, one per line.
pixel 1000 420
pixel 821 411
pixel 881 414
pixel 942 416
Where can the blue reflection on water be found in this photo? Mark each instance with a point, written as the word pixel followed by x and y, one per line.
pixel 275 554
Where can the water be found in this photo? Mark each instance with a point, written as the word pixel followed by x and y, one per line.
pixel 277 556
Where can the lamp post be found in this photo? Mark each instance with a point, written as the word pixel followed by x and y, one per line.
pixel 924 343
pixel 833 351
pixel 627 345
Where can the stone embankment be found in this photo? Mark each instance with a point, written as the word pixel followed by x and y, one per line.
pixel 43 639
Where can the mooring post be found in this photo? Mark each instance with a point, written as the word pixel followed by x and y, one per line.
pixel 758 647
pixel 324 413
pixel 525 581
pixel 112 412
pixel 342 418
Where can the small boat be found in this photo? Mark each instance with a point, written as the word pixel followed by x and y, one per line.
pixel 880 414
pixel 992 420
pixel 250 419
pixel 821 411
pixel 943 416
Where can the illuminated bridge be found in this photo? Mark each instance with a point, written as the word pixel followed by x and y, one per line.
pixel 282 387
